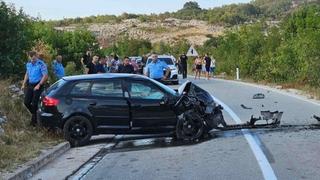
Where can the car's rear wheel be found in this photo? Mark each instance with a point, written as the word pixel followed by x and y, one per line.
pixel 77 130
pixel 190 127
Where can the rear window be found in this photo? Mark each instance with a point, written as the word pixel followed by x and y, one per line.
pixel 168 61
pixel 81 88
pixel 56 86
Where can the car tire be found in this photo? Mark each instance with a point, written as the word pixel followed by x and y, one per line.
pixel 78 130
pixel 189 127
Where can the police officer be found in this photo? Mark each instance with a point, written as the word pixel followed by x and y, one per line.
pixel 57 66
pixel 34 79
pixel 156 67
pixel 183 61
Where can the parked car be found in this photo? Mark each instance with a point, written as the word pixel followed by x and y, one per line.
pixel 87 105
pixel 171 62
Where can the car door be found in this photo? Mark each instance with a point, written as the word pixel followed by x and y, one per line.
pixel 149 107
pixel 109 107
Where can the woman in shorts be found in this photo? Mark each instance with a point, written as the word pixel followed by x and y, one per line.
pixel 198 64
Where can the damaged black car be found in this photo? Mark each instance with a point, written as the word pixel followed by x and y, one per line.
pixel 88 105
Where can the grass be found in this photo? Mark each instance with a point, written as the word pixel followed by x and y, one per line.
pixel 20 141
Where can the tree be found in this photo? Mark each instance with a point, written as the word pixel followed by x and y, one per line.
pixel 15 37
pixel 191 5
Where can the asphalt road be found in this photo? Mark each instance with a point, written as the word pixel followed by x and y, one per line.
pixel 291 153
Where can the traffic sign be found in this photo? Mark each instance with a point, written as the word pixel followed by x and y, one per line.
pixel 192 52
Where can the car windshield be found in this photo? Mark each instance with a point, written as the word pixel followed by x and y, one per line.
pixel 168 61
pixel 166 88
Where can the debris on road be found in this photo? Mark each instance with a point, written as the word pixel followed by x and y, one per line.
pixel 245 107
pixel 258 96
pixel 316 117
pixel 267 115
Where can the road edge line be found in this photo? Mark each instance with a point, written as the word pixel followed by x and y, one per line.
pixel 261 158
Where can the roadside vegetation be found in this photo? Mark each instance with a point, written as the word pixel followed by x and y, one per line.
pixel 19 142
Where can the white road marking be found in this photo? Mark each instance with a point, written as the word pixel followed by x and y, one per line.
pixel 263 162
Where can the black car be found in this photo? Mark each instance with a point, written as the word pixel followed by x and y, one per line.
pixel 87 105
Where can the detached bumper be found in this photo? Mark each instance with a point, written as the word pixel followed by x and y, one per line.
pixel 48 120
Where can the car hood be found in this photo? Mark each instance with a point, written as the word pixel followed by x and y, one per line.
pixel 193 90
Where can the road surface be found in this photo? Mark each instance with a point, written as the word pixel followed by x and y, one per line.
pixel 256 154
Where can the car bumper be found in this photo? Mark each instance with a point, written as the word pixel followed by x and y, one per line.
pixel 48 120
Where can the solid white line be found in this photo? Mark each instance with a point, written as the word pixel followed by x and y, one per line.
pixel 263 162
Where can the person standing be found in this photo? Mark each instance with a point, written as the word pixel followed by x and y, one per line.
pixel 33 84
pixel 126 67
pixel 198 65
pixel 184 61
pixel 57 66
pixel 207 60
pixel 155 69
pixel 213 66
pixel 133 62
pixel 101 66
pixel 92 67
pixel 115 62
pixel 85 60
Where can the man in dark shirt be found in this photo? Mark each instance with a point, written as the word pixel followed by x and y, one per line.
pixel 85 60
pixel 126 67
pixel 208 62
pixel 92 67
pixel 101 67
pixel 183 62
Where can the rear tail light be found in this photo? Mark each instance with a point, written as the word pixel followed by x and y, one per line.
pixel 49 101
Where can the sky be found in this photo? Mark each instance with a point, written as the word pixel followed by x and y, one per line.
pixel 59 9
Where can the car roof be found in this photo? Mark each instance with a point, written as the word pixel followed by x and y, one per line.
pixel 103 76
pixel 163 56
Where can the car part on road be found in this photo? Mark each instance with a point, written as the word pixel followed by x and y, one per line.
pixel 275 118
pixel 316 117
pixel 245 107
pixel 258 96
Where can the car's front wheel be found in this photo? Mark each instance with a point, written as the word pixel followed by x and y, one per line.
pixel 189 127
pixel 77 130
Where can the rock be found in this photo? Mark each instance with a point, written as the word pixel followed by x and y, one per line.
pixel 1 131
pixel 12 86
pixel 2 120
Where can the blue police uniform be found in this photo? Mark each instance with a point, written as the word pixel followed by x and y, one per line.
pixel 36 71
pixel 58 69
pixel 156 69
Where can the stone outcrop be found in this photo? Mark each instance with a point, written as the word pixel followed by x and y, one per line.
pixel 169 30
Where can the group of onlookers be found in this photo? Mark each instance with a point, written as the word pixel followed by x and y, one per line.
pixel 108 64
pixel 204 65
